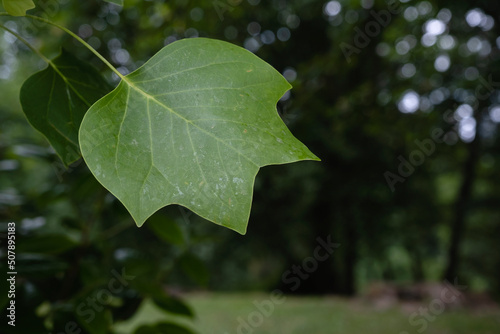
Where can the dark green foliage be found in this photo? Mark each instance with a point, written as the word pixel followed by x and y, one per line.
pixel 56 99
pixel 346 112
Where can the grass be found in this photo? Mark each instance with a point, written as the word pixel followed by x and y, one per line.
pixel 238 313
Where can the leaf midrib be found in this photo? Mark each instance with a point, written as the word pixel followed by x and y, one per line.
pixel 188 122
pixel 153 98
pixel 49 120
pixel 152 164
pixel 75 91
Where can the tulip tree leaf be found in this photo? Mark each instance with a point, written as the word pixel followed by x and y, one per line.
pixel 55 100
pixel 17 7
pixel 192 127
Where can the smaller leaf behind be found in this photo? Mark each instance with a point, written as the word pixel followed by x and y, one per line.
pixel 56 99
pixel 17 7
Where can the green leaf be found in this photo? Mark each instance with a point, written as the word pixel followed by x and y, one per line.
pixel 194 268
pixel 192 126
pixel 163 328
pixel 118 2
pixel 166 229
pixel 17 7
pixel 95 322
pixel 55 100
pixel 173 305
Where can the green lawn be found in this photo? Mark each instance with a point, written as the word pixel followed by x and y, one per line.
pixel 237 313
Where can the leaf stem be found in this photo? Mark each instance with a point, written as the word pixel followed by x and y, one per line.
pixel 25 42
pixel 75 36
pixel 47 60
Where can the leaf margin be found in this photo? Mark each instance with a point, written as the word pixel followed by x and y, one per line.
pixel 127 84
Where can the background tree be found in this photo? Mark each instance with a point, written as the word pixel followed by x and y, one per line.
pixel 433 65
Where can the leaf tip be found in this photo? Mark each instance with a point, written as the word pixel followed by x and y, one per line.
pixel 315 158
pixel 139 223
pixel 242 229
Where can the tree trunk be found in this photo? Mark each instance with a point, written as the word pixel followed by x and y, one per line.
pixel 461 208
pixel 350 254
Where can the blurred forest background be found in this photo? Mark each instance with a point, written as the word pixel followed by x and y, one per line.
pixel 400 100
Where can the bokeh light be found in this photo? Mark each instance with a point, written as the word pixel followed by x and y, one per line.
pixel 409 103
